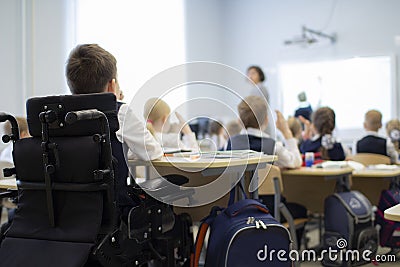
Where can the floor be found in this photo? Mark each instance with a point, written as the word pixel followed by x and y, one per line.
pixel 313 236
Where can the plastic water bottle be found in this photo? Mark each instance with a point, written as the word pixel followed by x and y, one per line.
pixel 309 159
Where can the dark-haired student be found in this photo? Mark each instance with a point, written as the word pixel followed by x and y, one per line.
pixel 372 142
pixel 91 69
pixel 318 135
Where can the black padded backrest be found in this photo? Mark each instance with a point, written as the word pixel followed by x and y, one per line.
pixel 105 102
pixel 79 157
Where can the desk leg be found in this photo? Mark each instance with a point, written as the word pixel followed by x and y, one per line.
pixel 342 183
pixel 239 193
pixel 130 180
pixel 346 181
pixel 254 180
pixel 395 182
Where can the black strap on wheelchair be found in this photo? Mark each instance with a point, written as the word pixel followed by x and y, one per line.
pixel 46 118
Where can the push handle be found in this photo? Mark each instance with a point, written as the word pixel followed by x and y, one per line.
pixel 14 127
pixel 90 114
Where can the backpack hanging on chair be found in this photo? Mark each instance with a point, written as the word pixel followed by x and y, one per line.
pixel 243 234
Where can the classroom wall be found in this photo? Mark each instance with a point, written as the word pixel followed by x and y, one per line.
pixel 36 36
pixel 253 32
pixel 258 29
pixel 204 40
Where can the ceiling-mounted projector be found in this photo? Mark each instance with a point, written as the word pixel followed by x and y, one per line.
pixel 309 36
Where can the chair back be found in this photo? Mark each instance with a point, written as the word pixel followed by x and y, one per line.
pixel 370 159
pixel 266 177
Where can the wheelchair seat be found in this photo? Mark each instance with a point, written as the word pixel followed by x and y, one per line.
pixel 67 214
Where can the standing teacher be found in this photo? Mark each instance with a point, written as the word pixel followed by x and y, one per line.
pixel 256 75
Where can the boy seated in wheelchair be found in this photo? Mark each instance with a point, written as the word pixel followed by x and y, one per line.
pixel 91 69
pixel 46 195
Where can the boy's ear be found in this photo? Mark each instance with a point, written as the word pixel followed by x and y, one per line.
pixel 112 87
pixel 164 118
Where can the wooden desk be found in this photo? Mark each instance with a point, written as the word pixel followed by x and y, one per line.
pixel 205 166
pixel 371 182
pixel 310 186
pixel 393 213
pixel 8 184
pixel 220 172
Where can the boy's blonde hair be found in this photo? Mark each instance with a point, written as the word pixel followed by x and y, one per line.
pixel 253 111
pixel 233 128
pixel 393 131
pixel 295 126
pixel 392 125
pixel 373 120
pixel 155 109
pixel 22 126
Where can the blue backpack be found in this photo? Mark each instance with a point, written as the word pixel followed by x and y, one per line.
pixel 243 234
pixel 349 225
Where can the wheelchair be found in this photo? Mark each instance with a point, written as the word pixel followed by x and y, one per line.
pixel 67 213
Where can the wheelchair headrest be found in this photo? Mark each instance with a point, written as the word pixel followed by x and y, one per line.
pixel 104 102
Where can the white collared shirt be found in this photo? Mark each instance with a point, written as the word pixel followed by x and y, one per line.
pixel 390 149
pixel 288 156
pixel 132 133
pixel 173 140
pixel 6 154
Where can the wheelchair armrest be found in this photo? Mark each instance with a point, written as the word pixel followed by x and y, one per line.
pixel 156 184
pixel 90 187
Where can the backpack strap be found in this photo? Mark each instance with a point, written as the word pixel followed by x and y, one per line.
pixel 198 246
pixel 201 234
pixel 240 206
pixel 233 193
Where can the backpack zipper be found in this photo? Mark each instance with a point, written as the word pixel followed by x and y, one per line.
pixel 259 223
pixel 253 223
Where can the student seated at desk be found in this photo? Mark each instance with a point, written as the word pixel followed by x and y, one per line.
pixel 218 135
pixel 318 137
pixel 253 114
pixel 157 114
pixel 393 131
pixel 233 127
pixel 6 154
pixel 91 69
pixel 6 157
pixel 372 142
pixel 296 129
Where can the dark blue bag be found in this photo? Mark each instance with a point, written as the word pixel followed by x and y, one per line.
pixel 349 225
pixel 244 234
